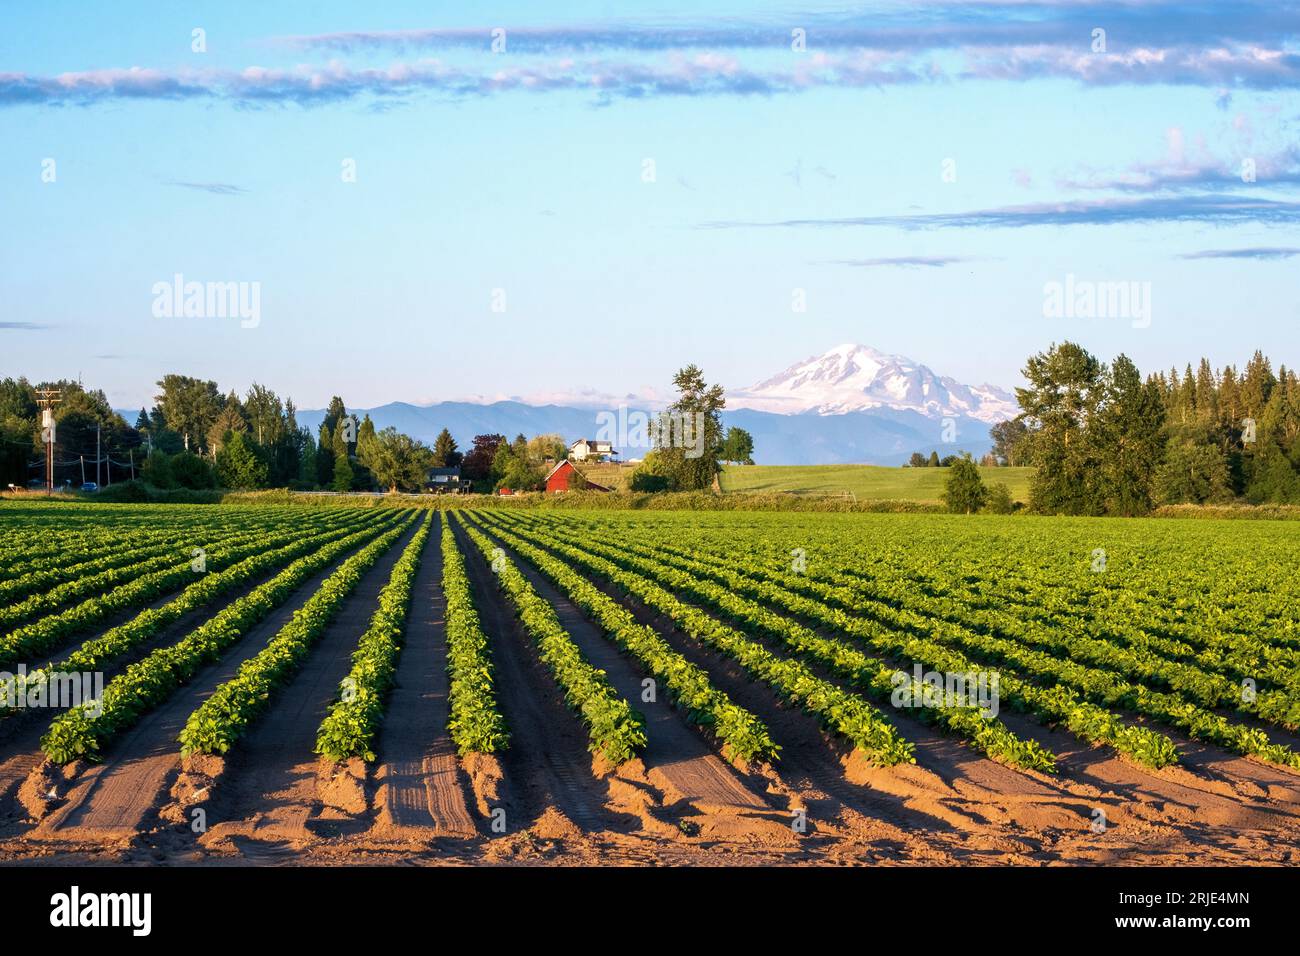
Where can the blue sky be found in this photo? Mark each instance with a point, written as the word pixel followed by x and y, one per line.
pixel 775 170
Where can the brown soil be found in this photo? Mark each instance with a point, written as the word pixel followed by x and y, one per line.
pixel 422 792
pixel 271 787
pixel 546 800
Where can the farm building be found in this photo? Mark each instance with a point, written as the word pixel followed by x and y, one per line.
pixel 443 480
pixel 585 449
pixel 562 474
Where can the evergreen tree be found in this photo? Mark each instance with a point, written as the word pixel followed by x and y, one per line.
pixel 307 469
pixel 333 412
pixel 1193 472
pixel 229 421
pixel 445 454
pixel 344 476
pixel 963 489
pixel 325 457
pixel 238 464
pixel 1207 400
pixel 1275 480
pixel 1127 438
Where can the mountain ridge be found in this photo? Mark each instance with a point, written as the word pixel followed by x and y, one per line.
pixel 851 404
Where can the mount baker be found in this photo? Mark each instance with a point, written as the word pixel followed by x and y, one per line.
pixel 852 404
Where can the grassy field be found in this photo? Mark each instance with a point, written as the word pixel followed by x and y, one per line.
pixel 863 481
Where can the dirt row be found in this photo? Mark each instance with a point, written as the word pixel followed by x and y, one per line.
pixel 546 799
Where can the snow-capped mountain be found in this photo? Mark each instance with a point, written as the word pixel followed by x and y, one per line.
pixel 853 404
pixel 856 378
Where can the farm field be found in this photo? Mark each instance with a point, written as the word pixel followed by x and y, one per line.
pixel 275 684
pixel 866 482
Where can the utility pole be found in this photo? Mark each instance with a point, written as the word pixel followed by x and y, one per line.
pixel 47 398
pixel 83 469
pixel 83 480
pixel 132 455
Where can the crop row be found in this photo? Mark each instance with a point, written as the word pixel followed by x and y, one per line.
pixel 475 723
pixel 1089 722
pixel 869 675
pixel 352 723
pixel 1101 686
pixel 94 654
pixel 870 618
pixel 742 736
pixel 105 581
pixel 615 729
pixel 236 704
pixel 848 715
pixel 42 636
pixel 82 731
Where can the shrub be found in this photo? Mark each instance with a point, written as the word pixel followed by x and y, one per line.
pixel 963 490
pixel 999 501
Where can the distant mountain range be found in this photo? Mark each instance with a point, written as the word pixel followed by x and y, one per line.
pixel 852 404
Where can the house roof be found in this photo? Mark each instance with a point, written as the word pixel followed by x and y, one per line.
pixel 443 471
pixel 558 466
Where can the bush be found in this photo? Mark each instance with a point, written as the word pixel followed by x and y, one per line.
pixel 126 492
pixel 1275 481
pixel 157 471
pixel 188 470
pixel 999 501
pixel 646 481
pixel 963 490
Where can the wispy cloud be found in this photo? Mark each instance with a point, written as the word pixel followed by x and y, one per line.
pixel 25 326
pixel 906 262
pixel 680 73
pixel 217 189
pixel 1258 252
pixel 697 75
pixel 1179 172
pixel 874 26
pixel 1216 210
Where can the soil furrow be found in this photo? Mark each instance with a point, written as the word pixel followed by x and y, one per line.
pixel 422 790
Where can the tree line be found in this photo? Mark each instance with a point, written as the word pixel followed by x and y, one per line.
pixel 195 436
pixel 1106 441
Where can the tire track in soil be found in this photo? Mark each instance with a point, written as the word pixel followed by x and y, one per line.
pixel 268 788
pixel 421 788
pixel 547 765
pixel 118 799
pixel 690 777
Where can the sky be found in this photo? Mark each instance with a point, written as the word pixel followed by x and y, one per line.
pixel 617 190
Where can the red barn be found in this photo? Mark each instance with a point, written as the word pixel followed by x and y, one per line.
pixel 562 474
